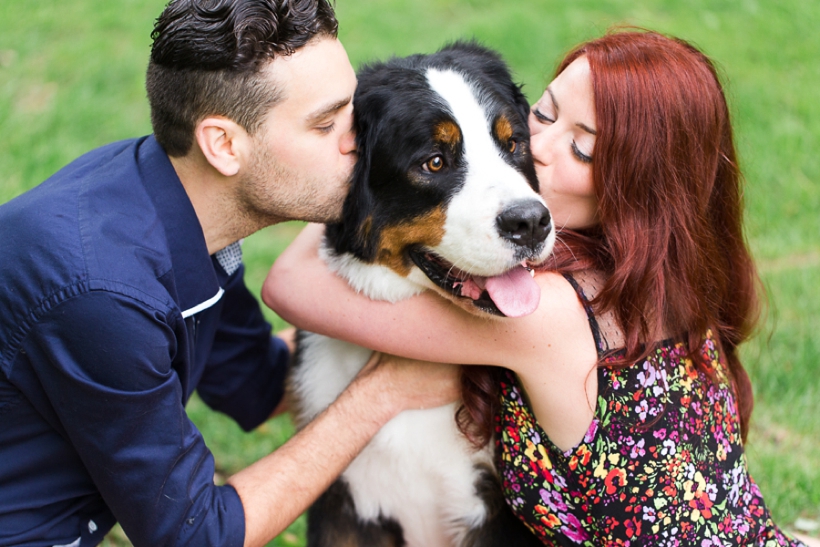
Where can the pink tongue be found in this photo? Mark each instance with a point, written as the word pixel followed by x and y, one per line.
pixel 515 293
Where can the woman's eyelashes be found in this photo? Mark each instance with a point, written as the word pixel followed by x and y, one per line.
pixel 584 158
pixel 541 117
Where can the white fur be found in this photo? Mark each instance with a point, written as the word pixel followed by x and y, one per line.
pixel 418 470
pixel 373 280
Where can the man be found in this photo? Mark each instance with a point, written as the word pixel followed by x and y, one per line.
pixel 123 292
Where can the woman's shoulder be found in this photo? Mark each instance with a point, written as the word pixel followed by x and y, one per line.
pixel 568 289
pixel 560 308
pixel 586 285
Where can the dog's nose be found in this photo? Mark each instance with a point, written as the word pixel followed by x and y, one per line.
pixel 525 223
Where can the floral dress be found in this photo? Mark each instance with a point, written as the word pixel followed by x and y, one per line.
pixel 661 464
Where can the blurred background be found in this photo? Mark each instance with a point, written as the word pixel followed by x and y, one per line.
pixel 72 79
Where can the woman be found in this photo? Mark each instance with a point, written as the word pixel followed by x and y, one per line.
pixel 623 416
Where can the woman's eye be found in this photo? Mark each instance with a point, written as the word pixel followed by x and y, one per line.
pixel 327 128
pixel 434 164
pixel 584 158
pixel 512 145
pixel 541 117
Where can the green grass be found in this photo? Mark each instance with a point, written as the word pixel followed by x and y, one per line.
pixel 71 79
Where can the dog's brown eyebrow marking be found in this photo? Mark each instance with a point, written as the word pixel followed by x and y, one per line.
pixel 427 231
pixel 447 132
pixel 503 128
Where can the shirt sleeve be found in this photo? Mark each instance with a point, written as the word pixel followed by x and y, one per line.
pixel 247 366
pixel 104 362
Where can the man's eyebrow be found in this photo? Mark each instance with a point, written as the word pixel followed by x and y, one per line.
pixel 326 111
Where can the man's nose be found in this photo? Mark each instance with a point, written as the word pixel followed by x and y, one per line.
pixel 347 144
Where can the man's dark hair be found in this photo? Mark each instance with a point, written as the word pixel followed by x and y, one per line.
pixel 207 56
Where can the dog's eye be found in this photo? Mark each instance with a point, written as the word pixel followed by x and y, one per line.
pixel 512 145
pixel 434 164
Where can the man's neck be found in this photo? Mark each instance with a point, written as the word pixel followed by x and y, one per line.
pixel 211 193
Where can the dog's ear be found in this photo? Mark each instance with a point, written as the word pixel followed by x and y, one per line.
pixel 522 105
pixel 354 234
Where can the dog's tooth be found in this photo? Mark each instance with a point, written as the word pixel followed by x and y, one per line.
pixel 528 268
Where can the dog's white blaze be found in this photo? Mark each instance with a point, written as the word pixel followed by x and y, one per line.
pixel 492 184
pixel 399 474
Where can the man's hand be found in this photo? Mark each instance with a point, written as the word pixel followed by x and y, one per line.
pixel 413 385
pixel 279 487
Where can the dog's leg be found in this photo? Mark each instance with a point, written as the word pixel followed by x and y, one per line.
pixel 501 528
pixel 332 522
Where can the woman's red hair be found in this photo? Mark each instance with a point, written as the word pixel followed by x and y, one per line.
pixel 670 205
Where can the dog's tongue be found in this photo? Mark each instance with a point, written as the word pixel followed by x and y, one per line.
pixel 515 293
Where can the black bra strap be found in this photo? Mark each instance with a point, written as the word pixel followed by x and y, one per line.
pixel 600 344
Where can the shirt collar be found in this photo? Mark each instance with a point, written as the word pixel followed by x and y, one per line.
pixel 195 278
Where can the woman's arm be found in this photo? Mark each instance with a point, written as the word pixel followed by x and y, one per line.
pixel 302 289
pixel 306 293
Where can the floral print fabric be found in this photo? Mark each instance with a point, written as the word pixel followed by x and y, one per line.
pixel 661 464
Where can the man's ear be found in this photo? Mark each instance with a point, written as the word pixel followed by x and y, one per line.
pixel 224 143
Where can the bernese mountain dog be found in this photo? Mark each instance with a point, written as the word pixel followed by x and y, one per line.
pixel 444 197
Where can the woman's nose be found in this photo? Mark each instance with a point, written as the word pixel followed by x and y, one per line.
pixel 542 143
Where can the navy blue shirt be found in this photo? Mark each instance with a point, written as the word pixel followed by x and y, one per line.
pixel 111 314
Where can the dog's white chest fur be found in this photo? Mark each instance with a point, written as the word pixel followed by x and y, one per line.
pixel 418 470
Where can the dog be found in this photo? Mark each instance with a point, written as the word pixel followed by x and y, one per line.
pixel 444 197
